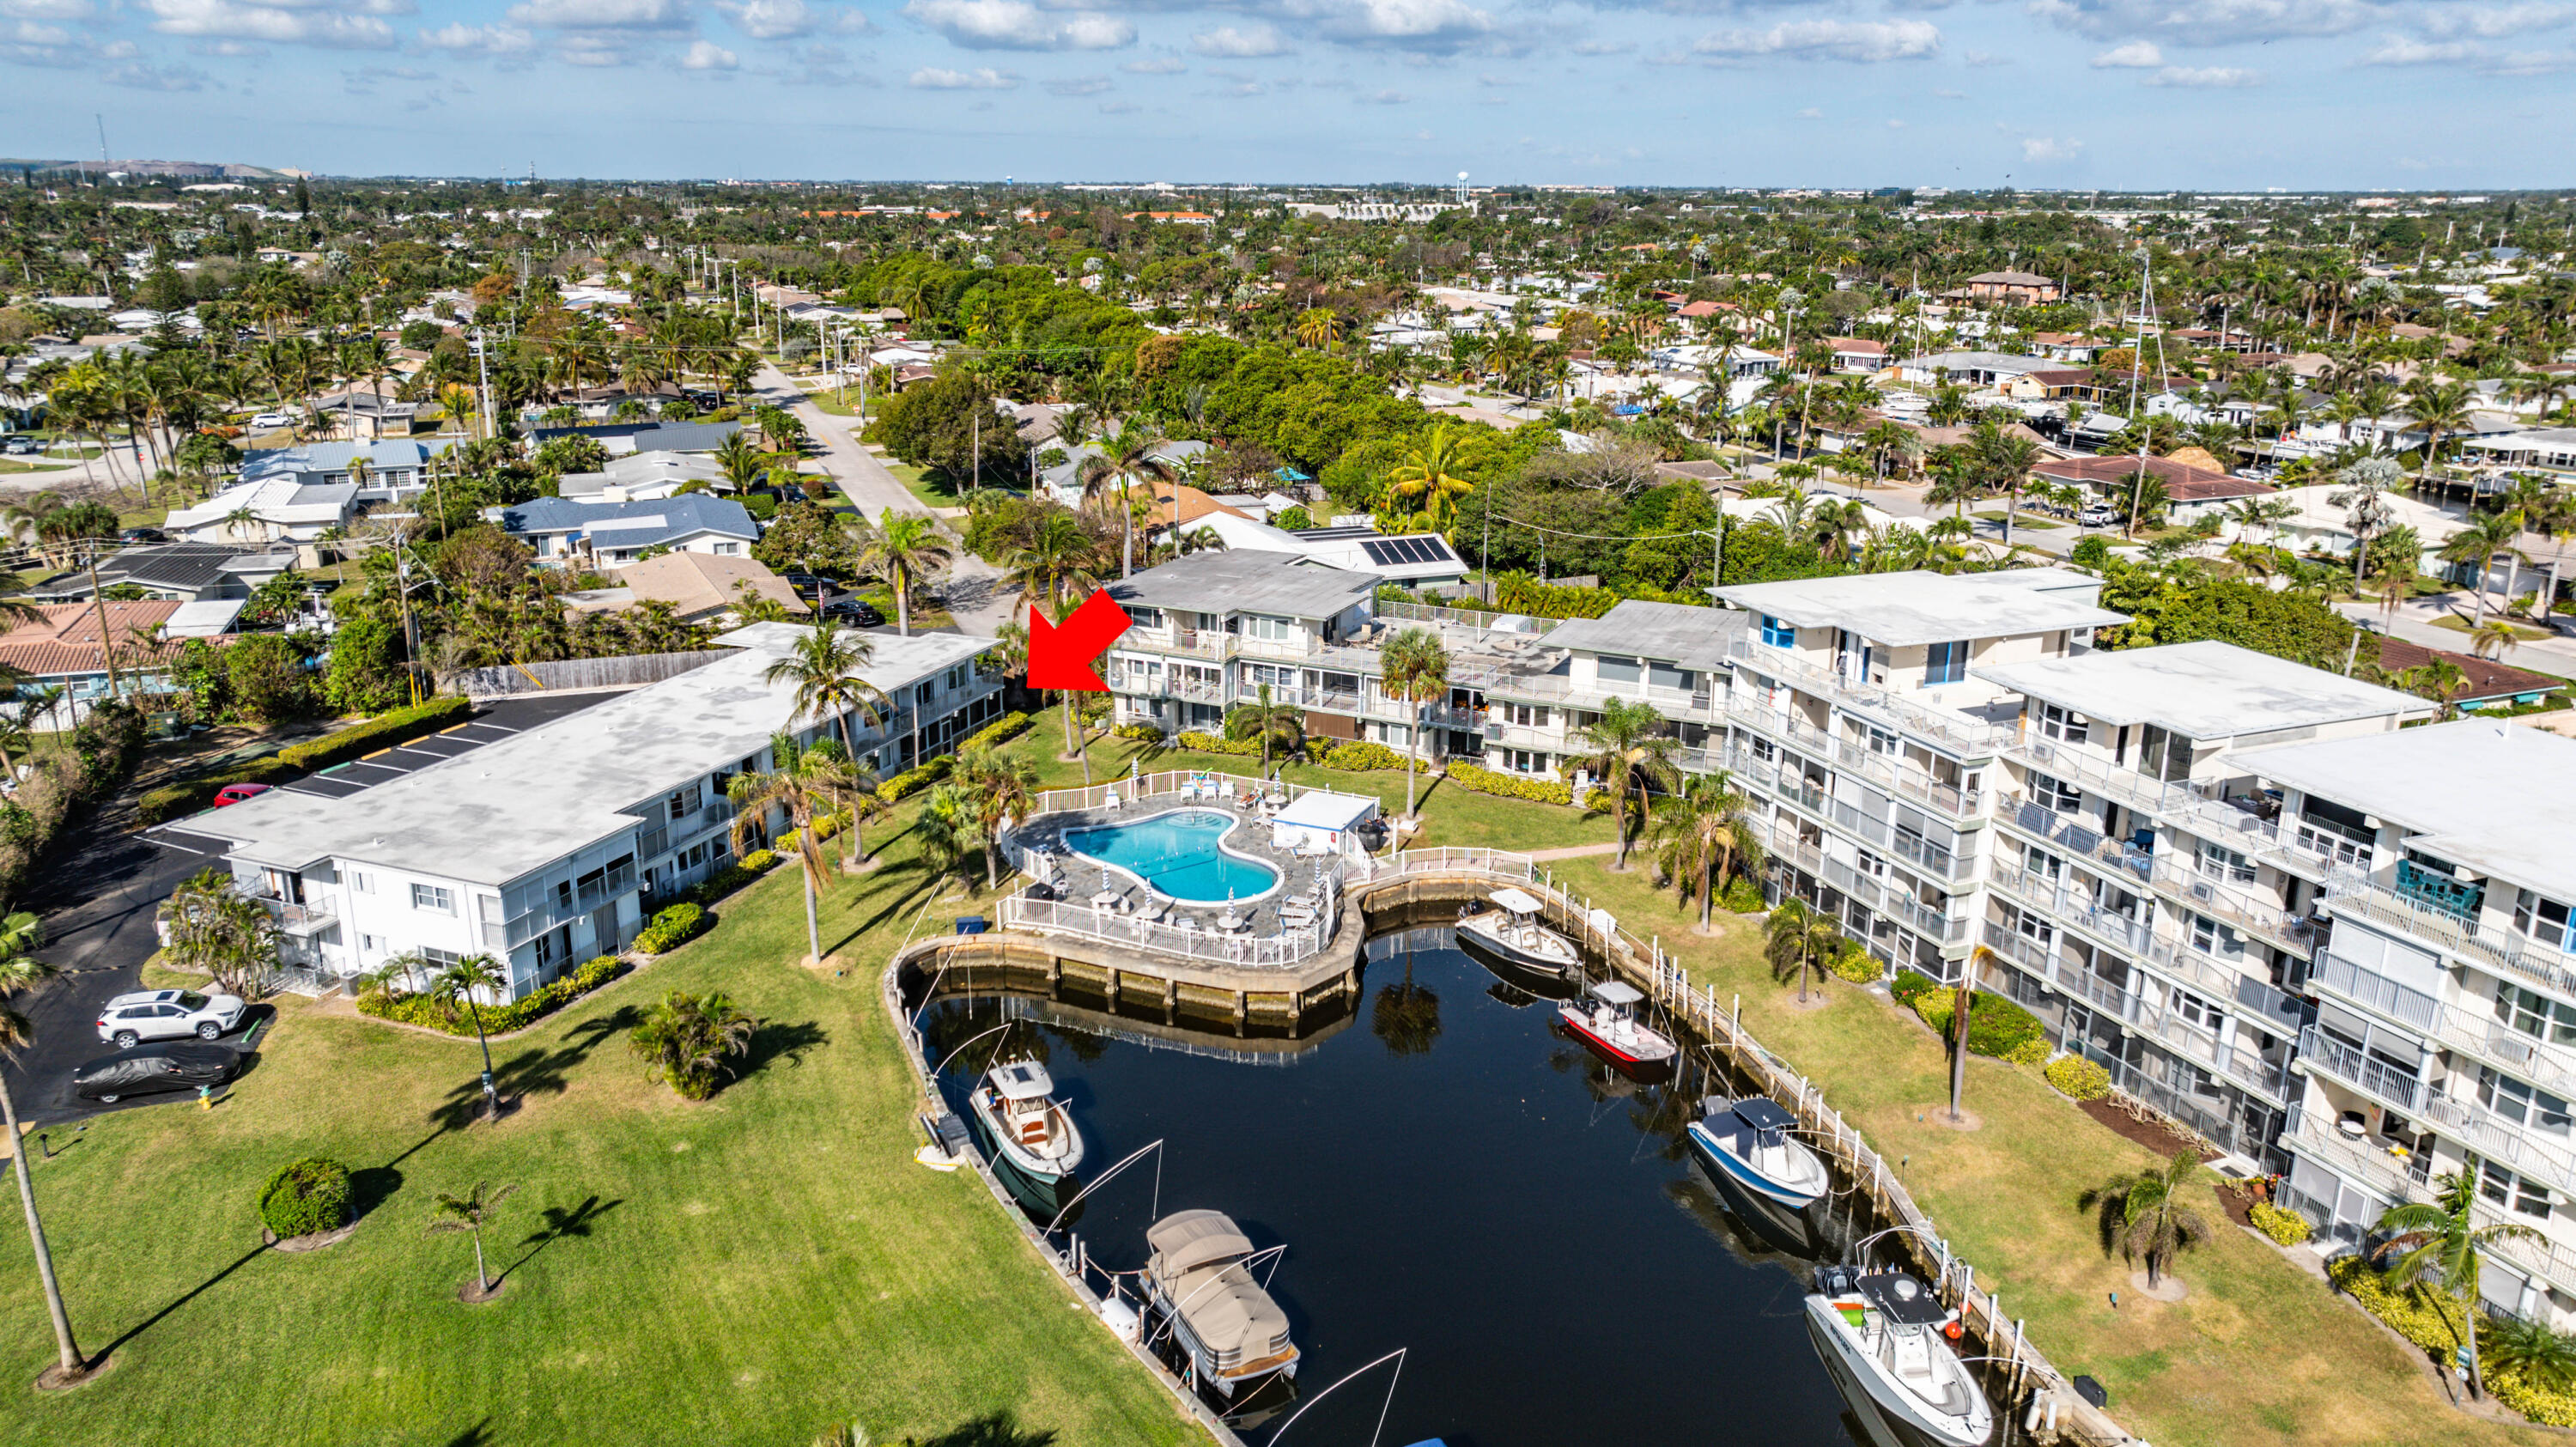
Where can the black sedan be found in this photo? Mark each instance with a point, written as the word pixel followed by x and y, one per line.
pixel 147 1069
pixel 855 611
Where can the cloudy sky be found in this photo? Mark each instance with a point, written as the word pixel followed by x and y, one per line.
pixel 2142 94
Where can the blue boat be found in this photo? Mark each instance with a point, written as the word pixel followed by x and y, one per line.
pixel 1750 1141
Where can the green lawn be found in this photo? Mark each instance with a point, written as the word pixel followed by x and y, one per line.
pixel 2032 521
pixel 2259 1353
pixel 10 465
pixel 931 487
pixel 2458 624
pixel 753 1269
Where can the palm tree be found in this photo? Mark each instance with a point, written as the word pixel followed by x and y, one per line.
pixel 2441 1240
pixel 687 1038
pixel 1413 668
pixel 1280 724
pixel 457 401
pixel 1631 752
pixel 18 972
pixel 2494 638
pixel 1963 1003
pixel 468 1213
pixel 825 669
pixel 209 924
pixel 1707 836
pixel 2144 1215
pixel 2478 542
pixel 907 550
pixel 797 781
pixel 457 984
pixel 1795 938
pixel 2543 1357
pixel 1430 471
pixel 2441 409
pixel 1317 327
pixel 1003 788
pixel 743 464
pixel 1126 455
pixel 2363 495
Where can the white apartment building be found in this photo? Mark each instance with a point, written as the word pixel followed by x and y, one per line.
pixel 553 846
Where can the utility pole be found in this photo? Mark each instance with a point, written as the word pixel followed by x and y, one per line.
pixel 483 365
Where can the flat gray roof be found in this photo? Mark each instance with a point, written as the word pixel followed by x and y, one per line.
pixel 494 814
pixel 2494 795
pixel 2205 690
pixel 1903 609
pixel 1234 581
pixel 1668 632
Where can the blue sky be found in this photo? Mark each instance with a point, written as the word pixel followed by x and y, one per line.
pixel 2127 94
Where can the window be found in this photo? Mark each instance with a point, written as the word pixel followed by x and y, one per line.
pixel 1526 715
pixel 2536 1015
pixel 1945 663
pixel 2518 1102
pixel 2036 932
pixel 361 882
pixel 2507 1189
pixel 1881 741
pixel 1611 668
pixel 925 693
pixel 2544 920
pixel 2058 723
pixel 2053 793
pixel 684 802
pixel 1273 630
pixel 2212 938
pixel 2220 862
pixel 1779 632
pixel 957 678
pixel 728 550
pixel 1524 761
pixel 563 894
pixel 438 959
pixel 2198 1011
pixel 431 896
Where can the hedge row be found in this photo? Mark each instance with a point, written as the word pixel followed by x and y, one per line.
pixel 384 731
pixel 913 781
pixel 432 1013
pixel 671 929
pixel 1477 780
pixel 2431 1320
pixel 1214 744
pixel 1141 733
pixel 1001 730
pixel 1358 757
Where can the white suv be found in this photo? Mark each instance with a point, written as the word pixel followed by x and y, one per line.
pixel 162 1014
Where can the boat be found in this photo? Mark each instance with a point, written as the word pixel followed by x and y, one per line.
pixel 1750 1141
pixel 1609 1026
pixel 1030 1129
pixel 1511 933
pixel 1232 1333
pixel 1886 1341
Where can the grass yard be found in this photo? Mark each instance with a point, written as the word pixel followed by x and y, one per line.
pixel 748 1270
pixel 2457 624
pixel 931 488
pixel 2032 521
pixel 10 465
pixel 2259 1353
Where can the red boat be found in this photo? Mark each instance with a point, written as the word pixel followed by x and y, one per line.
pixel 1607 1025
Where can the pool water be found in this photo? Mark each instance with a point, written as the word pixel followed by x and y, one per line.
pixel 1177 855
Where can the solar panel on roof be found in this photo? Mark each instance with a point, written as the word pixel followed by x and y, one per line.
pixel 1377 551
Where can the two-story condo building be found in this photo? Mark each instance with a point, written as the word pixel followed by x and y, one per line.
pixel 552 846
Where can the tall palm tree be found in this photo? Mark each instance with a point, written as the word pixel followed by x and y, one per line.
pixel 1963 1003
pixel 1707 836
pixel 468 1213
pixel 18 972
pixel 2440 410
pixel 798 781
pixel 1414 668
pixel 827 670
pixel 1054 565
pixel 1127 455
pixel 1430 471
pixel 1280 724
pixel 2145 1213
pixel 907 550
pixel 686 1039
pixel 2362 492
pixel 457 984
pixel 1003 787
pixel 2441 1240
pixel 1795 939
pixel 1631 752
pixel 2478 542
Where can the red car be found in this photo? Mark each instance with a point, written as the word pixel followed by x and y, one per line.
pixel 235 793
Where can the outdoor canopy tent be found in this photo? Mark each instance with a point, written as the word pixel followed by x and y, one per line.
pixel 1321 818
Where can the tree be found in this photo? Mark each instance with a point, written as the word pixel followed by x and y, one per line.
pixel 2440 410
pixel 1003 787
pixel 209 924
pixel 2363 495
pixel 1795 938
pixel 807 537
pixel 687 1040
pixel 2543 1357
pixel 1961 1007
pixel 18 972
pixel 1275 724
pixel 1631 752
pixel 950 423
pixel 827 671
pixel 797 781
pixel 2494 638
pixel 458 984
pixel 2476 545
pixel 1125 456
pixel 1431 472
pixel 468 1213
pixel 2145 1215
pixel 1054 565
pixel 1707 836
pixel 907 550
pixel 1414 667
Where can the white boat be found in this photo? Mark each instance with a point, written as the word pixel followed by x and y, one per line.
pixel 1511 933
pixel 1885 1337
pixel 1231 1331
pixel 1016 1105
pixel 1609 1026
pixel 1750 1141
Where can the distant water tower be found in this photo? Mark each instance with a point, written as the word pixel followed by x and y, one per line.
pixel 1462 188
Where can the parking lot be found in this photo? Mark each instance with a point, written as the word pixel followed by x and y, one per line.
pixel 499 719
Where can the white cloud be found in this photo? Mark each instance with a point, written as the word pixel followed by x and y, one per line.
pixel 707 55
pixel 1852 40
pixel 138 76
pixel 1980 60
pixel 278 24
pixel 1159 65
pixel 931 77
pixel 770 19
pixel 463 39
pixel 227 49
pixel 2209 22
pixel 604 14
pixel 1385 98
pixel 1400 24
pixel 1081 85
pixel 2495 23
pixel 1232 43
pixel 2050 148
pixel 47 9
pixel 2205 77
pixel 1896 125
pixel 1019 25
pixel 2531 62
pixel 2136 55
pixel 1812 113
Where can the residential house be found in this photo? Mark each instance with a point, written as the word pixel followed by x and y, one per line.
pixel 2074 347
pixel 2485 683
pixel 370 414
pixel 554 845
pixel 2550 450
pixel 1858 354
pixel 61 648
pixel 184 572
pixel 644 476
pixel 2012 288
pixel 392 471
pixel 625 438
pixel 266 511
pixel 1064 481
pixel 700 587
pixel 563 530
pixel 2190 492
pixel 1972 368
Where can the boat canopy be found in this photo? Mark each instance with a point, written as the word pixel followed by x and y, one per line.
pixel 1185 1241
pixel 1022 1080
pixel 1763 1113
pixel 1231 1313
pixel 1617 992
pixel 1515 901
pixel 1904 1299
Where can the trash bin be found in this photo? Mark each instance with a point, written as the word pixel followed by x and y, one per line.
pixel 972 924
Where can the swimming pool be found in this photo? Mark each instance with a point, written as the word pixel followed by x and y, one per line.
pixel 1179 855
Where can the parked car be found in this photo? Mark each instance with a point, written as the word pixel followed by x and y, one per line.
pixel 144 535
pixel 273 419
pixel 854 610
pixel 164 1014
pixel 150 1069
pixel 2096 515
pixel 805 584
pixel 21 445
pixel 235 793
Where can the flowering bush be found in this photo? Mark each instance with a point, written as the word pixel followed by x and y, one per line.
pixel 431 1013
pixel 2287 1227
pixel 1357 756
pixel 2081 1078
pixel 671 929
pixel 1476 780
pixel 1199 743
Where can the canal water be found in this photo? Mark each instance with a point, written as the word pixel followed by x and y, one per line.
pixel 1452 1174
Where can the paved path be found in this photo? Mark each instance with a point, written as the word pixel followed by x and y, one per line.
pixel 1574 851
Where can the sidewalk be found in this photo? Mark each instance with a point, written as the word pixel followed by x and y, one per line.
pixel 2414 624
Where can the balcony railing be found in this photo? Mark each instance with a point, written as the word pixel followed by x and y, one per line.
pixel 2490 946
pixel 2206 894
pixel 1960 734
pixel 2192 1041
pixel 1906 783
pixel 2378 1079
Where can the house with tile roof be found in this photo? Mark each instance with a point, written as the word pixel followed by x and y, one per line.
pixel 563 530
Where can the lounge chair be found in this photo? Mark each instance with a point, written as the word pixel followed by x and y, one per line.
pixel 1113 799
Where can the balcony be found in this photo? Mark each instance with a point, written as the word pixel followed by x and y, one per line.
pixel 1910 784
pixel 2378 1079
pixel 2186 1038
pixel 2472 939
pixel 2207 894
pixel 296 921
pixel 1954 732
pixel 2372 1167
pixel 1785 725
pixel 2435 890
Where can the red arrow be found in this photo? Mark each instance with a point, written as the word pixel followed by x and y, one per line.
pixel 1061 654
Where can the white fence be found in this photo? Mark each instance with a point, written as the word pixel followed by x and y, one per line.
pixel 1279 951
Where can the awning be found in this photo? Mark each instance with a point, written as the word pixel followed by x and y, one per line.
pixel 1323 809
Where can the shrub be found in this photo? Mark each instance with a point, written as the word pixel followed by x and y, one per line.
pixel 1359 756
pixel 1934 1006
pixel 1142 733
pixel 2033 1051
pixel 1213 744
pixel 758 861
pixel 1009 726
pixel 2076 1076
pixel 381 732
pixel 1909 986
pixel 712 888
pixel 913 781
pixel 671 929
pixel 431 1014
pixel 1477 780
pixel 173 801
pixel 1856 965
pixel 1999 1028
pixel 306 1196
pixel 1742 896
pixel 2287 1227
pixel 2423 1317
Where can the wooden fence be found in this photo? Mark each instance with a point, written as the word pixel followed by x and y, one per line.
pixel 569 675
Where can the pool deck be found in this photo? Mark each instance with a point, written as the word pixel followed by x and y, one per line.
pixel 1082 877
